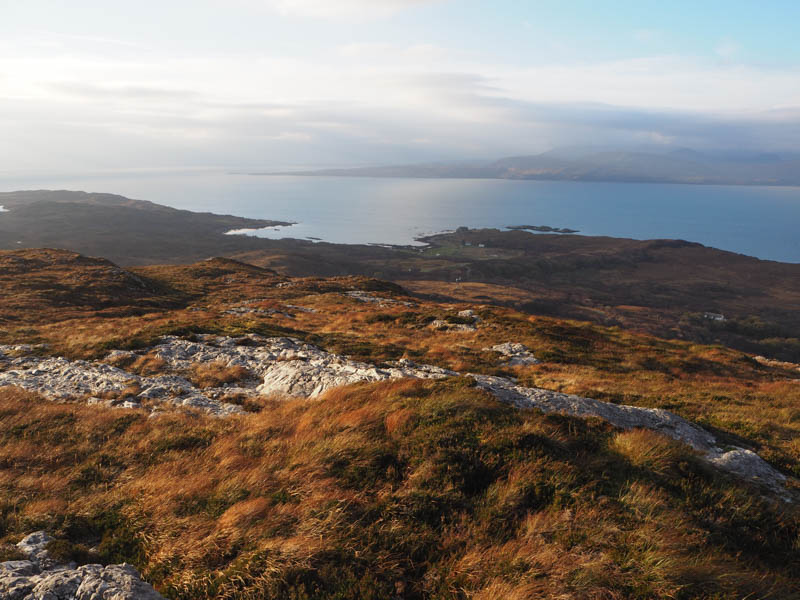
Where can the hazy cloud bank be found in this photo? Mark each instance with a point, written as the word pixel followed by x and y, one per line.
pixel 87 99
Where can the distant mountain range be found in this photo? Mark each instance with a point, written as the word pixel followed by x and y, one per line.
pixel 682 165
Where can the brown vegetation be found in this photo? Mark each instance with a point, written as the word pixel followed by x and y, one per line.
pixel 215 374
pixel 148 364
pixel 412 488
pixel 753 403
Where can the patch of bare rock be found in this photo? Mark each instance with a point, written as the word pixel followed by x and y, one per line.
pixel 778 364
pixel 372 299
pixel 285 366
pixel 465 320
pixel 60 379
pixel 304 309
pixel 442 325
pixel 41 578
pixel 515 353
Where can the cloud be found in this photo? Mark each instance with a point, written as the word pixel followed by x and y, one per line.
pixel 383 53
pixel 727 48
pixel 454 115
pixel 367 102
pixel 344 9
pixel 88 91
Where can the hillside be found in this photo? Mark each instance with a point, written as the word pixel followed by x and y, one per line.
pixel 236 433
pixel 662 287
pixel 121 229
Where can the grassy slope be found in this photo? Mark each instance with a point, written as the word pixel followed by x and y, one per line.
pixel 719 387
pixel 405 489
pixel 400 489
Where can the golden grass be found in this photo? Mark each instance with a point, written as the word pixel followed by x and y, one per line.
pixel 649 450
pixel 216 374
pixel 420 488
pixel 149 364
pixel 415 489
pixel 753 404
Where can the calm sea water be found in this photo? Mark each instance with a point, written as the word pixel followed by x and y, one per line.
pixel 758 221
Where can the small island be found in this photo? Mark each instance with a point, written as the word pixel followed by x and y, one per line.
pixel 542 228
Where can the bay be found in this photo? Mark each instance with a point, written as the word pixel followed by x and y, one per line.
pixel 757 221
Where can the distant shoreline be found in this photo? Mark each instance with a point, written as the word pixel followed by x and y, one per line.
pixel 542 229
pixel 547 179
pixel 353 212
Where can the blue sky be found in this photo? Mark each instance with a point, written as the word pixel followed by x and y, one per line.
pixel 89 85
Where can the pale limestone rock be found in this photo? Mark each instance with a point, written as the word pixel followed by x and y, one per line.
pixel 289 367
pixel 517 354
pixel 34 546
pixel 367 297
pixel 61 379
pixel 41 578
pixel 23 580
pixel 304 309
pixel 312 375
pixel 749 465
pixel 441 324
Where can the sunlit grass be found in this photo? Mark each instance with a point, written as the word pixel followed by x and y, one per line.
pixel 432 488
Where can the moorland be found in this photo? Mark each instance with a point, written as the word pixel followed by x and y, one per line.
pixel 378 485
pixel 407 488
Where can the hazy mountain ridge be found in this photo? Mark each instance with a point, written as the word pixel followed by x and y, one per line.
pixel 681 165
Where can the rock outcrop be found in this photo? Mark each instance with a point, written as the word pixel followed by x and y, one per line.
pixel 443 325
pixel 61 379
pixel 285 366
pixel 308 377
pixel 517 354
pixel 737 461
pixel 41 578
pixel 362 296
pixel 34 546
pixel 289 367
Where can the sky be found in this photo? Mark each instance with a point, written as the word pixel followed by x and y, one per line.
pixel 90 86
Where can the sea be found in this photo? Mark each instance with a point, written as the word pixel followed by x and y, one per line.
pixel 758 221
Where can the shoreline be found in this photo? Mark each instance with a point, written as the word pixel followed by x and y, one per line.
pixel 754 184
